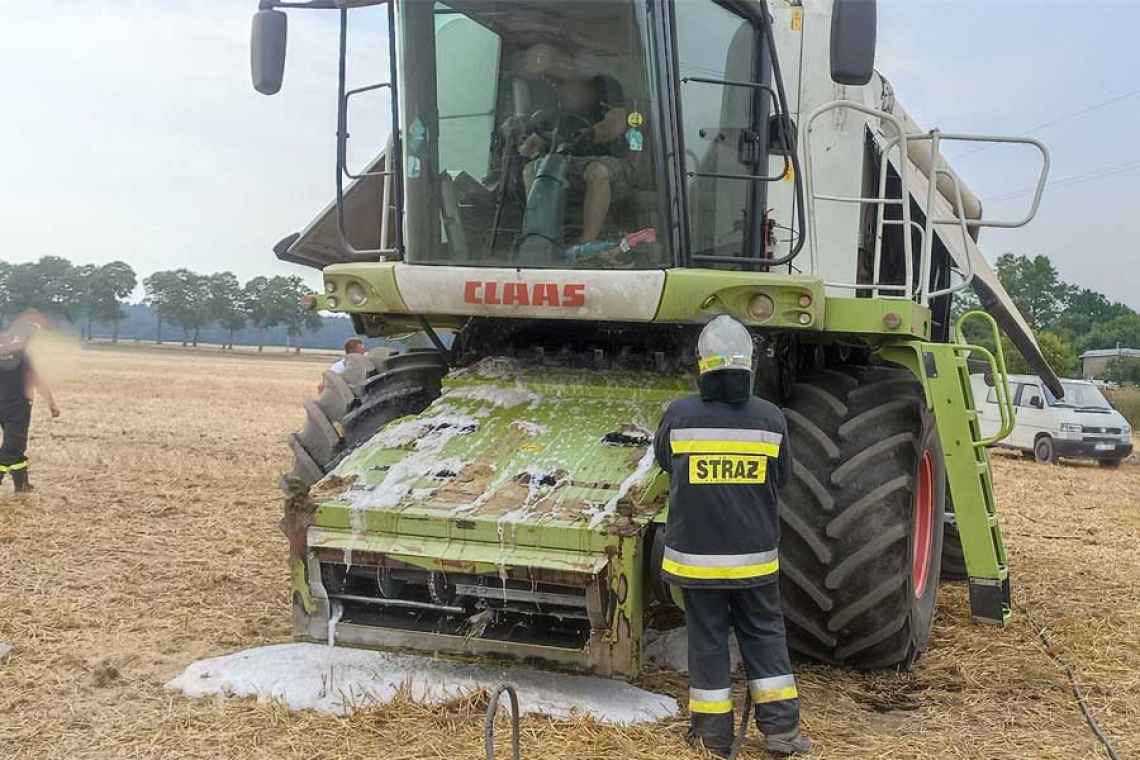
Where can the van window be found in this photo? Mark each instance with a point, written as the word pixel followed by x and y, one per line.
pixel 1028 392
pixel 991 397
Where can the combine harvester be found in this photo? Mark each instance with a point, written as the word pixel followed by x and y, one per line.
pixel 496 496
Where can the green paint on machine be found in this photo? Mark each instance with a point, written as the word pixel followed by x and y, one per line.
pixel 538 480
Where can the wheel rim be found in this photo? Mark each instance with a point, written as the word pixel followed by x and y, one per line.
pixel 923 524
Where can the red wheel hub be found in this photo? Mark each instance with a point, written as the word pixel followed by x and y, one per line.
pixel 923 524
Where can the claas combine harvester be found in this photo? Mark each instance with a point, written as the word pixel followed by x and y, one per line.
pixel 570 190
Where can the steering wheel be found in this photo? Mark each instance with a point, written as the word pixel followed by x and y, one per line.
pixel 564 144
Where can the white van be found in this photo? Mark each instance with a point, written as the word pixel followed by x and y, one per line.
pixel 1081 425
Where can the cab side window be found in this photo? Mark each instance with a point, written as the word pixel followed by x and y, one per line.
pixel 1028 393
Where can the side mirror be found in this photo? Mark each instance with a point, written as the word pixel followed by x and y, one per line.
pixel 267 50
pixel 1036 402
pixel 853 41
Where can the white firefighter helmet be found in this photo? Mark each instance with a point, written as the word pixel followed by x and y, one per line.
pixel 724 344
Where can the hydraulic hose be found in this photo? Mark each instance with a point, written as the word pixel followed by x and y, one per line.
pixel 742 732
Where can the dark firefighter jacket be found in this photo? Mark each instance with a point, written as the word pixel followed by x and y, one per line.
pixel 727 464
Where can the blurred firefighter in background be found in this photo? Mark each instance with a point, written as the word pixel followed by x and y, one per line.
pixel 18 384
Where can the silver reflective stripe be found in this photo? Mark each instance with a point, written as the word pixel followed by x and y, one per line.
pixel 721 560
pixel 770 684
pixel 724 434
pixel 710 695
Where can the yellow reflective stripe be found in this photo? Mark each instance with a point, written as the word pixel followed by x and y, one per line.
pixel 717 361
pixel 725 447
pixel 719 573
pixel 710 706
pixel 18 466
pixel 3 468
pixel 764 696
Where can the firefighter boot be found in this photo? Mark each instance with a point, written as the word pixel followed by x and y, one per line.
pixel 789 743
pixel 20 478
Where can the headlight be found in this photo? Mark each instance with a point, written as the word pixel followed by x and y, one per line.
pixel 356 294
pixel 1070 430
pixel 1126 431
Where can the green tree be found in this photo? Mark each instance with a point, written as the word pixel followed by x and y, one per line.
pixel 5 295
pixel 1121 331
pixel 285 295
pixel 1036 288
pixel 113 282
pixel 1056 350
pixel 1084 310
pixel 47 285
pixel 1124 370
pixel 192 304
pixel 84 294
pixel 227 304
pixel 162 295
pixel 259 309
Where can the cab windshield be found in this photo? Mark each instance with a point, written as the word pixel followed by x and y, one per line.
pixel 528 132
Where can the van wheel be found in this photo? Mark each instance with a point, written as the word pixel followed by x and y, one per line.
pixel 1109 463
pixel 1043 450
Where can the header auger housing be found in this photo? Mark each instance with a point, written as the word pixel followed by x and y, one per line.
pixel 568 193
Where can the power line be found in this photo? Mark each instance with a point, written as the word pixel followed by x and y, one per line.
pixel 1076 179
pixel 1065 117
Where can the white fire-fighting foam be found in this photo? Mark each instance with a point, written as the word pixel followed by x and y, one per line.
pixel 339 681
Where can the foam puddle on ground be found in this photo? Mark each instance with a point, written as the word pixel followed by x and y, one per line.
pixel 340 680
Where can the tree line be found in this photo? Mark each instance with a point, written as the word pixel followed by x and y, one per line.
pixel 193 301
pixel 1067 319
pixel 85 295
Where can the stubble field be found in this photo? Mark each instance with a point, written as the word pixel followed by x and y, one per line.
pixel 152 541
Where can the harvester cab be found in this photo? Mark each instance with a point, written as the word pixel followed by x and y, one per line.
pixel 571 190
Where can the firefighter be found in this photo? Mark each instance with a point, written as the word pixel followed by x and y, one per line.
pixel 728 455
pixel 18 381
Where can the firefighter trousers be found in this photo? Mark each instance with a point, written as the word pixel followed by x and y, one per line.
pixel 15 417
pixel 756 616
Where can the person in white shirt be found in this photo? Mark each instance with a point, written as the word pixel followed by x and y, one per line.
pixel 351 346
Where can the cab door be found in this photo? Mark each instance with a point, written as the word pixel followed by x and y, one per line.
pixel 1032 415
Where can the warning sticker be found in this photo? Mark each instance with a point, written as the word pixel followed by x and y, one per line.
pixel 727 469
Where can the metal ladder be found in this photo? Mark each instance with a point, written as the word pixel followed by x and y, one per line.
pixel 977 520
pixel 943 370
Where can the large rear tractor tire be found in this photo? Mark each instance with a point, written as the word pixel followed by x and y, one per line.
pixel 373 390
pixel 862 517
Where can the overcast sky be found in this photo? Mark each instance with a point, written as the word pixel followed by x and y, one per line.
pixel 130 130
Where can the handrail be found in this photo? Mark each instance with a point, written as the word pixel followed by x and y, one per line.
pixel 903 201
pixel 900 141
pixel 997 368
